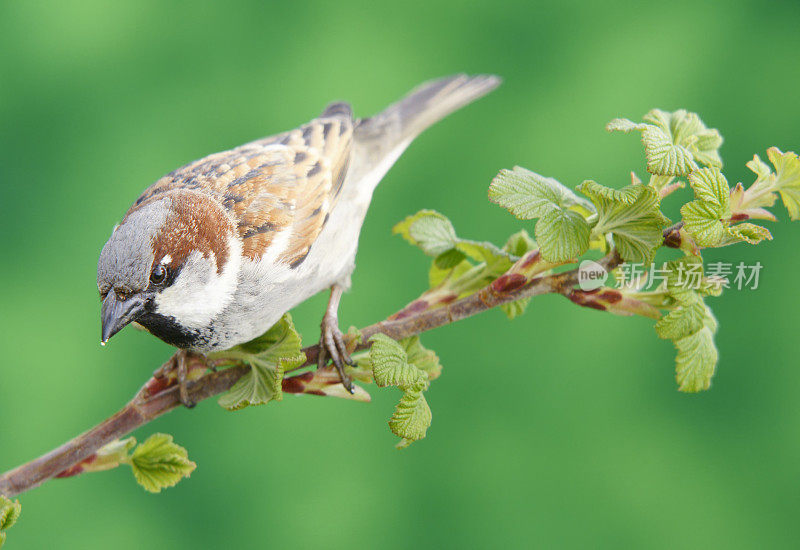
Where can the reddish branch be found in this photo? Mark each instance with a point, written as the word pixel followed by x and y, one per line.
pixel 156 398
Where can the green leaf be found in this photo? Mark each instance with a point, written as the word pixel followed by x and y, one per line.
pixel 787 179
pixel 562 235
pixel 429 230
pixel 705 218
pixel 516 308
pixel 519 243
pixel 159 463
pixel 562 232
pixel 449 259
pixel 697 357
pixel 495 258
pixel 688 131
pixel 632 216
pixel 674 142
pixel 749 233
pixel 702 221
pixel 664 157
pixel 711 187
pixel 9 512
pixel 624 125
pixel 268 356
pixel 529 195
pixel 424 359
pixel 682 321
pixel 411 418
pixel 258 387
pixel 390 364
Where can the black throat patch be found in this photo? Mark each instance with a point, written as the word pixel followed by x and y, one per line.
pixel 168 330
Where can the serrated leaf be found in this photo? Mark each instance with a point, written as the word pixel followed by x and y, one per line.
pixel 411 418
pixel 159 463
pixel 705 217
pixel 687 130
pixel 429 230
pixel 268 356
pixel 759 167
pixel 258 387
pixel 682 321
pixel 497 261
pixel 390 366
pixel 632 216
pixel 711 187
pixel 529 195
pixel 787 179
pixel 696 361
pixel 281 343
pixel 750 233
pixel 623 125
pixel 9 512
pixel 423 358
pixel 519 243
pixel 674 142
pixel 665 157
pixel 516 308
pixel 702 221
pixel 562 235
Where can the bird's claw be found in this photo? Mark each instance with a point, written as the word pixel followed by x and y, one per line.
pixel 178 366
pixel 332 346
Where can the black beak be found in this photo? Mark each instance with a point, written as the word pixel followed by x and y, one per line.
pixel 116 313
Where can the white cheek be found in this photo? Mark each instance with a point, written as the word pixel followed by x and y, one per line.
pixel 199 293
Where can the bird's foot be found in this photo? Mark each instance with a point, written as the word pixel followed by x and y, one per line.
pixel 332 346
pixel 178 370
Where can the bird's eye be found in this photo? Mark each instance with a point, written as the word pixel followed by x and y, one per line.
pixel 159 275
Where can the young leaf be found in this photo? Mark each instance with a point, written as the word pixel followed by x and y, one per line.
pixel 429 230
pixel 9 512
pixel 258 387
pixel 705 217
pixel 411 418
pixel 624 125
pixel 674 142
pixel 390 364
pixel 787 179
pixel 687 130
pixel 562 232
pixel 697 357
pixel 562 235
pixel 516 308
pixel 424 359
pixel 519 243
pixel 747 232
pixel 269 356
pixel 159 463
pixel 529 195
pixel 633 217
pixel 664 156
pixel 682 321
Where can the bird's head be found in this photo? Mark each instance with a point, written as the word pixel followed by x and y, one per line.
pixel 171 266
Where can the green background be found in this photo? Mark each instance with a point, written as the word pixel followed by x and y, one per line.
pixel 560 429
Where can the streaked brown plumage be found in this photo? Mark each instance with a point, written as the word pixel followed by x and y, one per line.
pixel 214 253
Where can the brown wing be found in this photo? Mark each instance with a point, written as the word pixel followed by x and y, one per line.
pixel 284 185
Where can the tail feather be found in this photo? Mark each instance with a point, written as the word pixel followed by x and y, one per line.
pixel 380 139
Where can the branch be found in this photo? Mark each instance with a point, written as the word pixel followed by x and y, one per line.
pixel 154 400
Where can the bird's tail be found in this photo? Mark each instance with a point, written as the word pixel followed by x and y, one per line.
pixel 379 140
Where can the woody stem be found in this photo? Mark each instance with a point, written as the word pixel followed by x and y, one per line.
pixel 144 408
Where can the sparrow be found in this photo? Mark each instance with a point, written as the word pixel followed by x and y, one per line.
pixel 214 253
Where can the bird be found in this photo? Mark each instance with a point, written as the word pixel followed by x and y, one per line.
pixel 214 253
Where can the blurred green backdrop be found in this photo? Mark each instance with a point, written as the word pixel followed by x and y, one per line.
pixel 575 441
